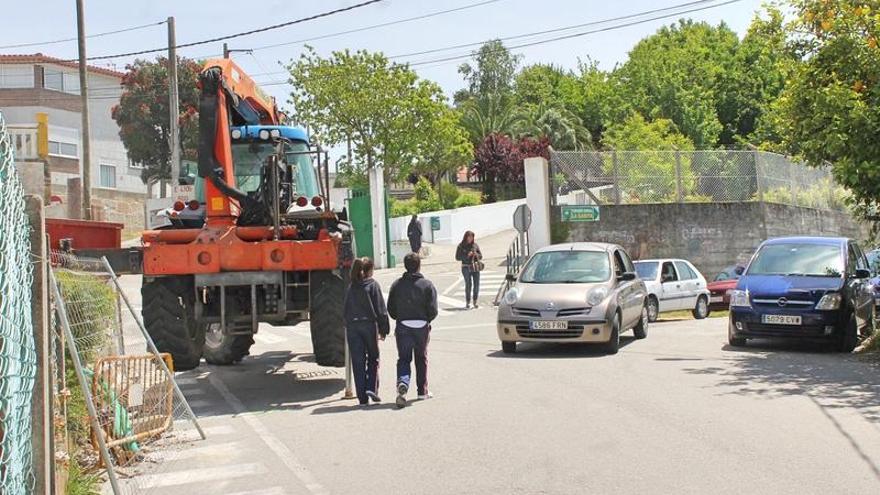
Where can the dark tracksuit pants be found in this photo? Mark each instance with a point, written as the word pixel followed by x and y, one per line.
pixel 363 343
pixel 413 343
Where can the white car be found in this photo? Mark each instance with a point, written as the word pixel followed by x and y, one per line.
pixel 673 285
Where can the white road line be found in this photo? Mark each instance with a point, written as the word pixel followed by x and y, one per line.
pixel 218 430
pixel 192 391
pixel 221 450
pixel 200 475
pixel 275 490
pixel 455 327
pixel 266 338
pixel 453 286
pixel 284 454
pixel 455 303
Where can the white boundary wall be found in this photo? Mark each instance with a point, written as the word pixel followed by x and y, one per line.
pixel 483 220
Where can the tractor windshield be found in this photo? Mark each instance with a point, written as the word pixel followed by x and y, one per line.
pixel 248 159
pixel 304 174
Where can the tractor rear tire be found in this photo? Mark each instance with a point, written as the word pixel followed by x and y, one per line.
pixel 168 313
pixel 327 323
pixel 225 349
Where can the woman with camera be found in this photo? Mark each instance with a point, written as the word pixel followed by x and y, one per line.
pixel 468 253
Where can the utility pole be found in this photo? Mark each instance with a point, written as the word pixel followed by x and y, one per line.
pixel 225 50
pixel 173 107
pixel 84 96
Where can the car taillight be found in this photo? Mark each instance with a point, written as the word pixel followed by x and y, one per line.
pixel 179 206
pixel 302 201
pixel 317 201
pixel 194 204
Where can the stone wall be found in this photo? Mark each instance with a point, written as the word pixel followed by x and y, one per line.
pixel 710 235
pixel 109 206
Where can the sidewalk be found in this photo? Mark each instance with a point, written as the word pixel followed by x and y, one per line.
pixel 493 247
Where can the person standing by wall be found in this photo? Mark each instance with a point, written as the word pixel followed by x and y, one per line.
pixel 412 302
pixel 468 252
pixel 366 322
pixel 414 234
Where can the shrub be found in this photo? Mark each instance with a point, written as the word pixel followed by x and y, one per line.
pixel 398 208
pixel 449 193
pixel 467 198
pixel 426 197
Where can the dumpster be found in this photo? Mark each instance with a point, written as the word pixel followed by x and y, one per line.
pixel 84 234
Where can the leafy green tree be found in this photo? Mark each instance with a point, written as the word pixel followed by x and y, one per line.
pixel 387 112
pixel 561 127
pixel 447 151
pixel 675 74
pixel 490 115
pixel 830 109
pixel 594 98
pixel 491 75
pixel 143 115
pixel 637 134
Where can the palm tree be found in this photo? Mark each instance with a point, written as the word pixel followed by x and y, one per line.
pixel 563 128
pixel 490 115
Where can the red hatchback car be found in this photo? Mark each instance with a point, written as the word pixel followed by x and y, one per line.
pixel 722 285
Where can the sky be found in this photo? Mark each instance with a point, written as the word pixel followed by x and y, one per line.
pixel 203 19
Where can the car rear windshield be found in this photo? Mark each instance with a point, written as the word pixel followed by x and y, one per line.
pixel 820 260
pixel 567 267
pixel 647 270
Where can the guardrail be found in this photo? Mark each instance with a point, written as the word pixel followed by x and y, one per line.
pixel 517 255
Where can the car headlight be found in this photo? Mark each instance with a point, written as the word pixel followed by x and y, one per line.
pixel 829 301
pixel 511 297
pixel 740 298
pixel 596 296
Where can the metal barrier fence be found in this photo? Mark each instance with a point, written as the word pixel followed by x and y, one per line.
pixel 640 177
pixel 17 351
pixel 137 420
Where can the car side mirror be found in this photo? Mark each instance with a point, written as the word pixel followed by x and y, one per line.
pixel 626 276
pixel 510 277
pixel 862 273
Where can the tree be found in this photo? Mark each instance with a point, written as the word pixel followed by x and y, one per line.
pixel 490 115
pixel 448 151
pixel 675 74
pixel 384 108
pixel 561 127
pixel 830 108
pixel 491 76
pixel 143 115
pixel 497 159
pixel 637 134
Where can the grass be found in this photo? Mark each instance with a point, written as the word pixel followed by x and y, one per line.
pixel 79 480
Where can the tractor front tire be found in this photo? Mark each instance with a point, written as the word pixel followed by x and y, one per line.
pixel 168 313
pixel 327 290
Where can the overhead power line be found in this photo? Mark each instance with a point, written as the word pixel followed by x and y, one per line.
pixel 377 26
pixel 238 35
pixel 97 35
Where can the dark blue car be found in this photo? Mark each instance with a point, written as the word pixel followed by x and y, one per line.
pixel 806 288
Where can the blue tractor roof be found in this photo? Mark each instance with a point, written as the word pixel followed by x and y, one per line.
pixel 288 132
pixel 834 241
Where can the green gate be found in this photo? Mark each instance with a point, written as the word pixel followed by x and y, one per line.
pixel 361 215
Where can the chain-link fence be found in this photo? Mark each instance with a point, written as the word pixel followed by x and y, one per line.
pixel 640 177
pixel 126 416
pixel 17 351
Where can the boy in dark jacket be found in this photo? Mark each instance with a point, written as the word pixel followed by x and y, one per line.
pixel 412 302
pixel 366 321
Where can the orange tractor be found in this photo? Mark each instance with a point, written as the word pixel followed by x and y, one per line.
pixel 261 245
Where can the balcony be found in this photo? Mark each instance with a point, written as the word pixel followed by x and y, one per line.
pixel 24 141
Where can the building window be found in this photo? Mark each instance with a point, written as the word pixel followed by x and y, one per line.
pixel 57 80
pixel 108 176
pixel 134 164
pixel 66 150
pixel 16 76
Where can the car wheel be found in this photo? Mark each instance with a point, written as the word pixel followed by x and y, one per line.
pixel 701 310
pixel 732 339
pixel 653 309
pixel 508 347
pixel 848 338
pixel 613 344
pixel 641 329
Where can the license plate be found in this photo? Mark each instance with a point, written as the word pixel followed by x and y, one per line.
pixel 716 299
pixel 781 319
pixel 548 325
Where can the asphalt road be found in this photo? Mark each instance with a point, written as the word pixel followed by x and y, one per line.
pixel 678 412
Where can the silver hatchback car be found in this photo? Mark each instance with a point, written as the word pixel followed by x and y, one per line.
pixel 578 292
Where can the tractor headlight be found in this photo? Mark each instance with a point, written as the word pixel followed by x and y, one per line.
pixel 264 134
pixel 236 134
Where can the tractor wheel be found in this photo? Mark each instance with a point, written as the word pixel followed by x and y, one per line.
pixel 224 349
pixel 168 314
pixel 327 324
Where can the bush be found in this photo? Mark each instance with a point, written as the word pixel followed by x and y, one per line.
pixel 397 208
pixel 426 197
pixel 467 198
pixel 449 194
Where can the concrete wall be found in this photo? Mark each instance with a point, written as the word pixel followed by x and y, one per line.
pixel 710 235
pixel 483 220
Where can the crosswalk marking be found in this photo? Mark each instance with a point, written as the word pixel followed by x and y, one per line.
pixel 275 490
pixel 267 338
pixel 200 475
pixel 222 450
pixel 198 404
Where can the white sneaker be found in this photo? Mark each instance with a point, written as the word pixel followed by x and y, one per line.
pixel 427 396
pixel 402 389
